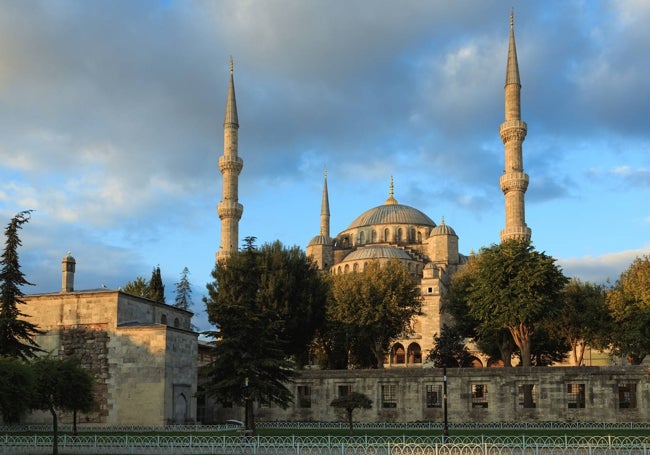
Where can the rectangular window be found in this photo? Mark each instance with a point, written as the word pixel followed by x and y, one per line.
pixel 527 395
pixel 575 396
pixel 434 396
pixel 344 390
pixel 479 395
pixel 389 396
pixel 627 396
pixel 304 396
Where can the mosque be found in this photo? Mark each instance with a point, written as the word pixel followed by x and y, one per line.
pixel 393 230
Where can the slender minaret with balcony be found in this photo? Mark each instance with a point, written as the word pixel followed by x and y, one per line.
pixel 230 165
pixel 514 181
pixel 320 247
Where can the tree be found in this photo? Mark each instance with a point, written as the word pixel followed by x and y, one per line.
pixel 585 319
pixel 16 386
pixel 449 349
pixel 350 402
pixel 250 364
pixel 517 288
pixel 156 286
pixel 294 290
pixel 184 291
pixel 377 304
pixel 61 385
pixel 16 334
pixel 138 287
pixel 629 305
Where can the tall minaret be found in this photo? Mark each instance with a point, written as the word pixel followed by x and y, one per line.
pixel 230 165
pixel 320 248
pixel 325 210
pixel 514 181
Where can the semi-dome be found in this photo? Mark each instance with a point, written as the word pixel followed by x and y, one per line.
pixel 392 214
pixel 320 240
pixel 377 252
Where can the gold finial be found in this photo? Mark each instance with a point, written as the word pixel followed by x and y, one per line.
pixel 391 199
pixel 232 65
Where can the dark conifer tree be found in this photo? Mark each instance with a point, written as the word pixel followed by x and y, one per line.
pixel 156 286
pixel 16 334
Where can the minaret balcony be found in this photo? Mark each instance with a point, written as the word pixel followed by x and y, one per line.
pixel 520 233
pixel 229 209
pixel 513 181
pixel 513 129
pixel 230 163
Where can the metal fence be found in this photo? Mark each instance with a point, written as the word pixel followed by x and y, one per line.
pixel 328 445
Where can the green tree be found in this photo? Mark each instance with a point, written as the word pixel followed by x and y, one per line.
pixel 138 287
pixel 449 349
pixel 184 291
pixel 585 319
pixel 16 386
pixel 156 286
pixel 61 385
pixel 294 291
pixel 250 364
pixel 16 334
pixel 517 288
pixel 376 304
pixel 350 402
pixel 629 305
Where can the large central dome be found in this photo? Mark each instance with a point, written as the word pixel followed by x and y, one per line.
pixel 392 214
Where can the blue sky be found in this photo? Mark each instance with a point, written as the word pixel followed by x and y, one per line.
pixel 111 122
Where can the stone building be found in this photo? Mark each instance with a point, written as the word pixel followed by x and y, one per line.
pixel 143 354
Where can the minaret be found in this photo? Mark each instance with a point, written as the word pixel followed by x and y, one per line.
pixel 230 165
pixel 514 181
pixel 67 273
pixel 325 210
pixel 320 248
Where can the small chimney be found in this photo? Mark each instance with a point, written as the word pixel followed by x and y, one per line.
pixel 67 275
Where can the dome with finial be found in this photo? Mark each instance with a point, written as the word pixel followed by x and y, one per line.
pixel 442 229
pixel 392 212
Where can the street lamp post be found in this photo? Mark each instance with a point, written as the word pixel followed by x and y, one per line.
pixel 445 428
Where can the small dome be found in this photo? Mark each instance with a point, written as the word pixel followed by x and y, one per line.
pixel 392 214
pixel 320 240
pixel 377 252
pixel 442 229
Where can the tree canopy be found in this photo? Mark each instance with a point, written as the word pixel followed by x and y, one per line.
pixel 629 305
pixel 449 349
pixel 138 287
pixel 257 298
pixel 156 286
pixel 376 305
pixel 16 334
pixel 514 287
pixel 16 387
pixel 585 319
pixel 350 402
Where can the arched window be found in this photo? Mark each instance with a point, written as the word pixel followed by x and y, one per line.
pixel 399 355
pixel 411 235
pixel 362 237
pixel 346 269
pixel 163 319
pixel 414 353
pixel 177 323
pixel 355 267
pixel 386 235
pixel 373 236
pixel 398 235
pixel 419 237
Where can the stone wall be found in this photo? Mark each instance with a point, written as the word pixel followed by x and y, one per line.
pixel 603 394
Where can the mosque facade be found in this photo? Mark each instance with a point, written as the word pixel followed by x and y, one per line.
pixel 428 250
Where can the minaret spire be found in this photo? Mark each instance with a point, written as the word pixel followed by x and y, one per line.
pixel 230 165
pixel 514 181
pixel 391 191
pixel 325 210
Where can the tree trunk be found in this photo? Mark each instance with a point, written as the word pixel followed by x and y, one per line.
pixel 505 348
pixel 249 418
pixel 521 335
pixel 55 431
pixel 74 422
pixel 350 426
